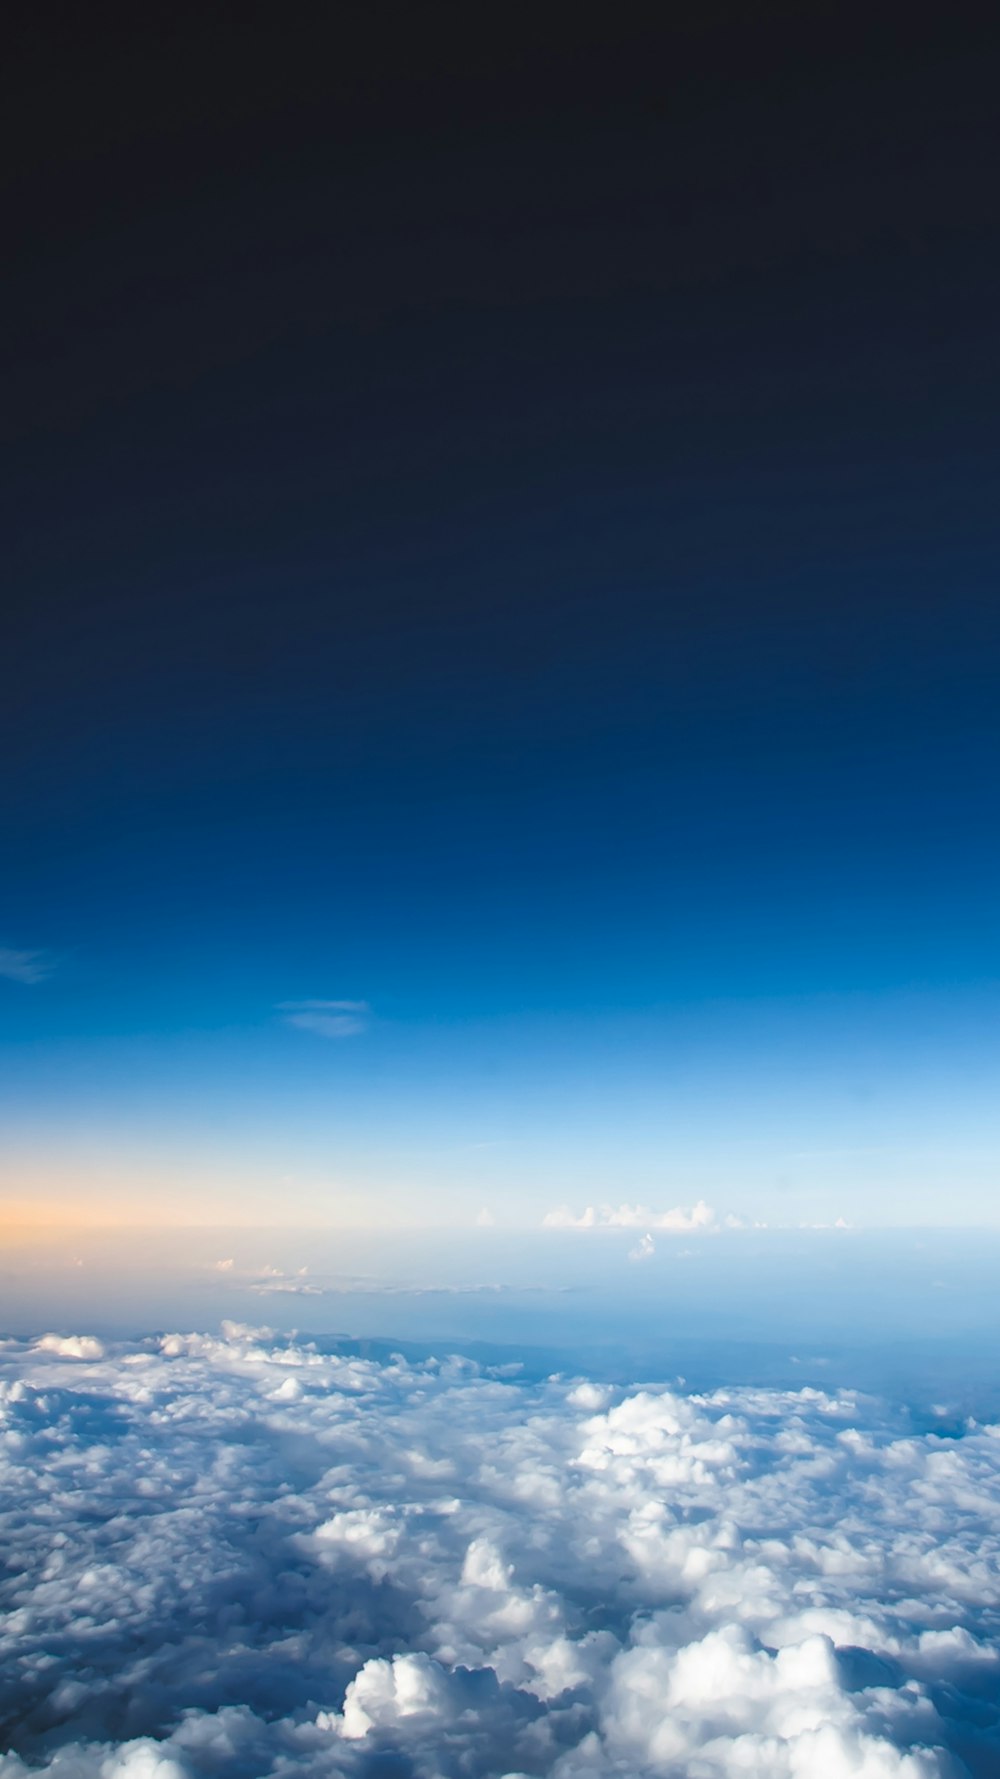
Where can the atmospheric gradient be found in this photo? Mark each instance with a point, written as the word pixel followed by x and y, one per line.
pixel 499 870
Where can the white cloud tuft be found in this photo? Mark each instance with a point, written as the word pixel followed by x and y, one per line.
pixel 564 1218
pixel 383 1694
pixel 142 1760
pixel 70 1346
pixel 682 1220
pixel 644 1248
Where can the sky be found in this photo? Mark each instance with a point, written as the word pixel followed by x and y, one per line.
pixel 498 688
pixel 499 868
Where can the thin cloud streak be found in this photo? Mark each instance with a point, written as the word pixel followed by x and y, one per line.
pixel 327 1019
pixel 25 966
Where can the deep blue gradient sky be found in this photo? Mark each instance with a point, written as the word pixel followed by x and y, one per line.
pixel 507 537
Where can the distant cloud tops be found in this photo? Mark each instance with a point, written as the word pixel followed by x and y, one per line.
pixel 681 1220
pixel 327 1019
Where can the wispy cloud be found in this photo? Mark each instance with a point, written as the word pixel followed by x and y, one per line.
pixel 327 1019
pixel 25 966
pixel 644 1249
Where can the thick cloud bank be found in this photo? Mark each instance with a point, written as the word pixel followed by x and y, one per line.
pixel 238 1556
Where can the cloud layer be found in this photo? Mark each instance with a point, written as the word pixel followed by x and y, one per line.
pixel 238 1555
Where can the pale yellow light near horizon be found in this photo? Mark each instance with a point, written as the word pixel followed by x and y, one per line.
pixel 50 1201
pixel 52 1195
pixel 34 1205
pixel 59 1219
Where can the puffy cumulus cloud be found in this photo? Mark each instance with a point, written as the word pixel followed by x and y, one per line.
pixel 240 1555
pixel 562 1217
pixel 682 1220
pixel 70 1346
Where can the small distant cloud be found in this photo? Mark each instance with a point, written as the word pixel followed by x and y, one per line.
pixel 563 1218
pixel 222 1265
pixel 25 966
pixel 644 1249
pixel 485 1219
pixel 294 1287
pixel 327 1019
pixel 681 1220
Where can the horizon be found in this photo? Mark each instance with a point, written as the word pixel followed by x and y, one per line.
pixel 501 701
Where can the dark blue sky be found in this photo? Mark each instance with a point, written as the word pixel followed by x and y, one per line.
pixel 503 530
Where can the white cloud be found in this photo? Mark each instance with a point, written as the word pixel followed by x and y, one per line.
pixel 644 1248
pixel 681 1220
pixel 384 1694
pixel 485 1219
pixel 70 1346
pixel 25 966
pixel 564 1218
pixel 327 1019
pixel 239 1554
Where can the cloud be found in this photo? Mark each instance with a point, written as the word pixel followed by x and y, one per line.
pixel 71 1346
pixel 563 1218
pixel 485 1219
pixel 25 966
pixel 239 1554
pixel 328 1019
pixel 644 1248
pixel 268 1279
pixel 293 1287
pixel 682 1220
